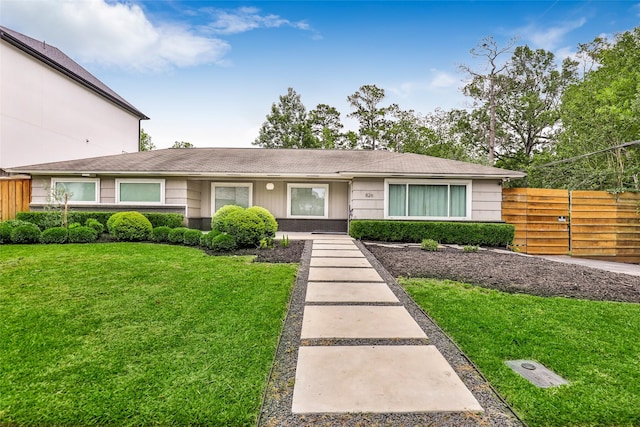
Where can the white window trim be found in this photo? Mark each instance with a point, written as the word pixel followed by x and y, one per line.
pixel 140 181
pixel 54 182
pixel 229 184
pixel 467 183
pixel 308 185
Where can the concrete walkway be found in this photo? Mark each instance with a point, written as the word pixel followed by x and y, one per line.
pixel 361 350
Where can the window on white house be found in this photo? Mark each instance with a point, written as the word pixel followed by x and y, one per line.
pixel 308 200
pixel 140 191
pixel 79 190
pixel 227 193
pixel 428 199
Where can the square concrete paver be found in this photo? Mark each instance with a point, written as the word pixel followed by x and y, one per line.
pixel 343 274
pixel 340 262
pixel 352 321
pixel 339 379
pixel 340 253
pixel 346 246
pixel 349 292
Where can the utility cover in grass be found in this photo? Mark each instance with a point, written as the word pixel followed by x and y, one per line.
pixel 536 373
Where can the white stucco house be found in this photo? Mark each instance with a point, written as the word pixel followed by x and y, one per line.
pixel 52 109
pixel 306 190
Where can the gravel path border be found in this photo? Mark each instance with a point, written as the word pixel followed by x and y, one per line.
pixel 277 399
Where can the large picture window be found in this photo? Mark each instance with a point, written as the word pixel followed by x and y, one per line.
pixel 428 199
pixel 78 190
pixel 229 193
pixel 308 200
pixel 140 191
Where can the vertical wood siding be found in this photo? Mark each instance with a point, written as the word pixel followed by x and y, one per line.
pixel 15 196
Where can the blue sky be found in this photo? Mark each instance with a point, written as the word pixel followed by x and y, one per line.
pixel 207 72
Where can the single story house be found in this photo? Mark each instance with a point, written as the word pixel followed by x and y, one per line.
pixel 306 190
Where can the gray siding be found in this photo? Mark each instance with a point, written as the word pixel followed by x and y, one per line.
pixel 194 198
pixel 367 196
pixel 486 200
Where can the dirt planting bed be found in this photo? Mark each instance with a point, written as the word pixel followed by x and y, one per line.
pixel 508 272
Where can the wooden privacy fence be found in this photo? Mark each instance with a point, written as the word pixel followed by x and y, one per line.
pixel 587 224
pixel 15 196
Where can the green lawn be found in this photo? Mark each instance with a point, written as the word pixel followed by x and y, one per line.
pixel 136 334
pixel 595 345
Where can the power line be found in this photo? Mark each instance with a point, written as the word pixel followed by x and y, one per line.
pixel 570 159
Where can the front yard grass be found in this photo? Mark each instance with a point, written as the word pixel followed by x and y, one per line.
pixel 136 334
pixel 594 345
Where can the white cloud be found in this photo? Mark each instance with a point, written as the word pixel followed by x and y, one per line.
pixel 111 33
pixel 439 81
pixel 549 38
pixel 246 19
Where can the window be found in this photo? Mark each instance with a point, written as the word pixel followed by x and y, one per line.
pixel 80 190
pixel 308 200
pixel 140 191
pixel 428 199
pixel 229 193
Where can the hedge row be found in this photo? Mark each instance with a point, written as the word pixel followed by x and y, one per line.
pixel 50 219
pixel 459 233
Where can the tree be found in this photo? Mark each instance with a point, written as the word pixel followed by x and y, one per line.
pixel 374 120
pixel 182 144
pixel 145 141
pixel 602 112
pixel 326 127
pixel 287 125
pixel 483 84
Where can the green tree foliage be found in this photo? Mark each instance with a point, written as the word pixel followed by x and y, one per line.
pixel 326 127
pixel 182 144
pixel 374 120
pixel 599 113
pixel 287 125
pixel 145 141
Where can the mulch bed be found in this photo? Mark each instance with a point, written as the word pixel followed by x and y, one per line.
pixel 509 272
pixel 278 254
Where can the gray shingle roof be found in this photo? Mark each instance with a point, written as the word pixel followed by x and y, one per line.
pixel 263 162
pixel 56 59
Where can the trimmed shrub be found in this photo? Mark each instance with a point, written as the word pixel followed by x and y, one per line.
pixel 129 226
pixel 207 238
pixel 470 248
pixel 192 237
pixel 7 226
pixel 95 224
pixel 54 235
pixel 43 220
pixel 429 245
pixel 223 243
pixel 82 234
pixel 25 233
pixel 246 227
pixel 160 234
pixel 460 233
pixel 219 220
pixel 270 223
pixel 171 220
pixel 176 235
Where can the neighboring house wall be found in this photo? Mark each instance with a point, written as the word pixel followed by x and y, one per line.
pixel 46 116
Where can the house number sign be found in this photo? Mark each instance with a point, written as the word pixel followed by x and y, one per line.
pixel 368 195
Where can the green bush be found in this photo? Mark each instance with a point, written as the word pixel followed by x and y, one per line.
pixel 7 226
pixel 470 248
pixel 176 235
pixel 223 243
pixel 82 234
pixel 270 223
pixel 192 237
pixel 460 233
pixel 129 226
pixel 25 233
pixel 285 242
pixel 160 234
pixel 50 219
pixel 429 245
pixel 95 224
pixel 54 235
pixel 267 243
pixel 246 227
pixel 219 220
pixel 207 238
